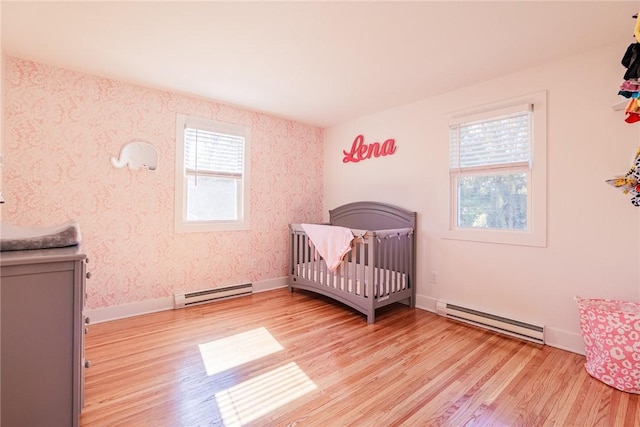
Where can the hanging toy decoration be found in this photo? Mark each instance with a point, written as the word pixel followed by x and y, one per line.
pixel 630 182
pixel 631 85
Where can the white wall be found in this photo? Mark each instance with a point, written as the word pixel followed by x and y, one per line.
pixel 593 230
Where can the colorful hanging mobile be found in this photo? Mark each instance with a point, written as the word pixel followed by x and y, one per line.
pixel 630 182
pixel 630 88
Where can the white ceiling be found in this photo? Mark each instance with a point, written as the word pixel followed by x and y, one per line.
pixel 320 63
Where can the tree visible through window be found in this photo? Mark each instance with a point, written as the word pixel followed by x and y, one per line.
pixel 493 201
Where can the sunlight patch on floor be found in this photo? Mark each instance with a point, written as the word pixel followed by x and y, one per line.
pixel 235 350
pixel 248 401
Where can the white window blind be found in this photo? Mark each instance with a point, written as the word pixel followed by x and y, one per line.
pixel 213 154
pixel 499 141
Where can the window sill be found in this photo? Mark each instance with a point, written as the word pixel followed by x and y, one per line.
pixel 202 227
pixel 504 237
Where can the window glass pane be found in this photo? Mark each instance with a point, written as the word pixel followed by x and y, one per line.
pixel 493 201
pixel 212 199
pixel 213 152
pixel 501 140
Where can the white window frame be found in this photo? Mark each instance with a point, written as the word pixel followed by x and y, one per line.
pixel 181 224
pixel 536 232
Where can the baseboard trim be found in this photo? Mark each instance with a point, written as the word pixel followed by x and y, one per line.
pixel 270 284
pixel 557 338
pixel 105 314
pixel 426 303
pixel 563 340
pixel 115 312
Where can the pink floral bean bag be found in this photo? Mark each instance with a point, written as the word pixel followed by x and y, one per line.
pixel 611 333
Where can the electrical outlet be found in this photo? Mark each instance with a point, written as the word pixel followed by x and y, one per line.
pixel 434 278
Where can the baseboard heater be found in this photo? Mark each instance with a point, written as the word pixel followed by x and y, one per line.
pixel 511 327
pixel 208 295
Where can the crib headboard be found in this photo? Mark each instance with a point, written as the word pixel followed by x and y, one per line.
pixel 372 216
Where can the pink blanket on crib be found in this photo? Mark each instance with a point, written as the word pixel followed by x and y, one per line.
pixel 331 242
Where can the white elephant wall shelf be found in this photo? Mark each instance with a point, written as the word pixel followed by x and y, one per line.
pixel 137 154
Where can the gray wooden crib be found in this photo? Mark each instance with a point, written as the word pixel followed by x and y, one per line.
pixel 378 270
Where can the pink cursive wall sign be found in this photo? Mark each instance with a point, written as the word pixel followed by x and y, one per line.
pixel 361 151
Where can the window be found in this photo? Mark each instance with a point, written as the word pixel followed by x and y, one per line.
pixel 212 179
pixel 498 173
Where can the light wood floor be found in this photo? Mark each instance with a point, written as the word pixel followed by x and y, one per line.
pixel 303 360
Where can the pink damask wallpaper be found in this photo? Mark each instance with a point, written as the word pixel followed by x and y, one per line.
pixel 62 127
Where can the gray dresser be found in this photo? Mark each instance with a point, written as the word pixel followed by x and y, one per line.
pixel 42 294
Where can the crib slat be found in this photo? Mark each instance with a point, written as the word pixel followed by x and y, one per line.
pixel 299 256
pixel 314 261
pixel 303 254
pixel 370 293
pixel 294 247
pixel 394 264
pixel 387 263
pixel 390 242
pixel 377 270
pixel 401 263
pixel 359 283
pixel 411 280
pixel 352 277
pixel 406 250
pixel 311 251
pixel 378 266
pixel 329 277
pixel 321 271
pixel 344 273
pixel 384 264
pixel 346 268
